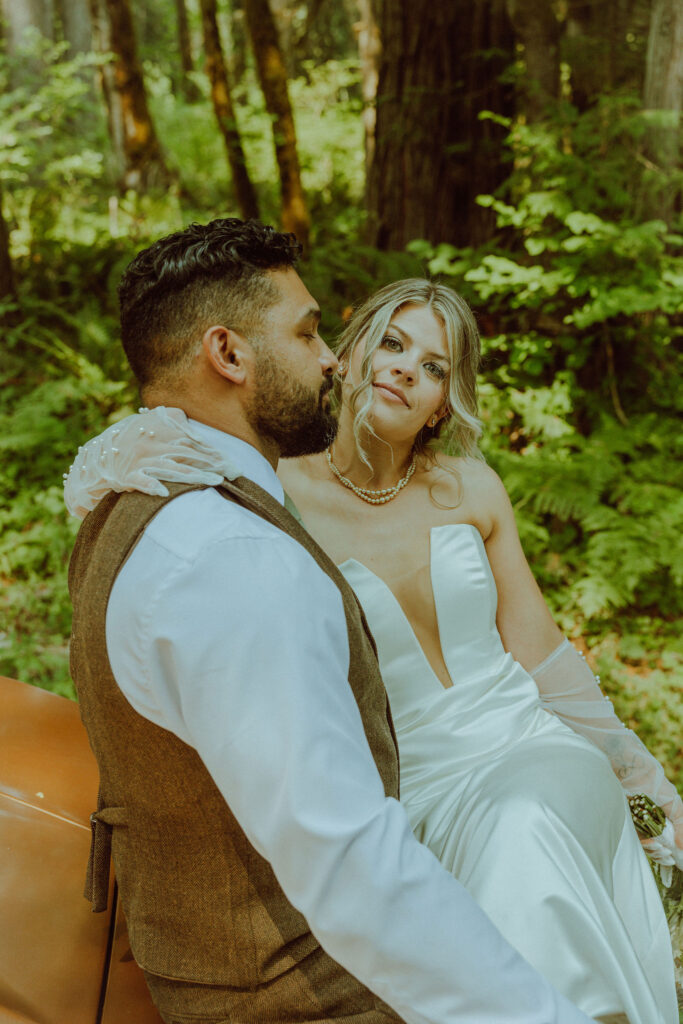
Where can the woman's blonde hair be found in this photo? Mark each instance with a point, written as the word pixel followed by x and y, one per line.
pixel 460 429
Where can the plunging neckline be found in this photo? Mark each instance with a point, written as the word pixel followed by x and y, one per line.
pixel 398 608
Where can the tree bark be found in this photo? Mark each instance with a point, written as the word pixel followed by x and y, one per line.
pixel 188 87
pixel 239 43
pixel 21 19
pixel 369 50
pixel 76 25
pixel 22 15
pixel 283 12
pixel 664 92
pixel 538 30
pixel 76 30
pixel 326 33
pixel 132 132
pixel 439 68
pixel 225 114
pixel 101 33
pixel 7 289
pixel 594 46
pixel 273 77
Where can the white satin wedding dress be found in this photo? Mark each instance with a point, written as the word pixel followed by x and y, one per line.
pixel 526 814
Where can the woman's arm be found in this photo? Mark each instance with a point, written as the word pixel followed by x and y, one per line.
pixel 524 621
pixel 566 684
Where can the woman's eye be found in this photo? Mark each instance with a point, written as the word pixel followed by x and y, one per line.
pixel 393 344
pixel 435 370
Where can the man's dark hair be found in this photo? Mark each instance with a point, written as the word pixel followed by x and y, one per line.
pixel 182 284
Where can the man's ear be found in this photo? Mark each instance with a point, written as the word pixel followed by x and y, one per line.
pixel 228 353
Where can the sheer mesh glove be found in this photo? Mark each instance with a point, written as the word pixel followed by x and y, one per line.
pixel 569 689
pixel 137 454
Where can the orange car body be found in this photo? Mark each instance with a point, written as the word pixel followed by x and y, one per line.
pixel 59 962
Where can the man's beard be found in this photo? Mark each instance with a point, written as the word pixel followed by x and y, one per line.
pixel 295 418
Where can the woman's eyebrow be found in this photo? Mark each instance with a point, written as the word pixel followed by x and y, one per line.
pixel 430 355
pixel 399 330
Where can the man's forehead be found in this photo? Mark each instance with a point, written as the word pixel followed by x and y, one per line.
pixel 295 294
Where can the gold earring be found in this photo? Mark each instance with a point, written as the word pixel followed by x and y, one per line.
pixel 433 420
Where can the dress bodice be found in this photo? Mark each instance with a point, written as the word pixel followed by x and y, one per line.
pixel 493 700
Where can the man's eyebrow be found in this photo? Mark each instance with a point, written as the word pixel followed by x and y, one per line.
pixel 313 313
pixel 430 355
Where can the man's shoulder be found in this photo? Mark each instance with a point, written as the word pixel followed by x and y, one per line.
pixel 198 520
pixel 202 547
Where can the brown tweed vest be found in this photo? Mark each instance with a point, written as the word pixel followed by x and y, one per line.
pixel 206 916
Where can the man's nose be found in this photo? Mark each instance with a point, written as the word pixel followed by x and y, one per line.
pixel 327 358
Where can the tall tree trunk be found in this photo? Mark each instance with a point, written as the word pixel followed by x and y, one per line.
pixel 538 30
pixel 283 12
pixel 21 19
pixel 595 47
pixel 439 68
pixel 225 114
pixel 369 49
pixel 664 92
pixel 188 87
pixel 238 43
pixel 6 276
pixel 76 29
pixel 313 10
pixel 20 16
pixel 273 77
pixel 76 25
pixel 101 33
pixel 132 131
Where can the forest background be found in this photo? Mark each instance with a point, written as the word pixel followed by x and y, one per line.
pixel 525 152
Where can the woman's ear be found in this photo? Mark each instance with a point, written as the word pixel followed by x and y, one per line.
pixel 437 416
pixel 227 352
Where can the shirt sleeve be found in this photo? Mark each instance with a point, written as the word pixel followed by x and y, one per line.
pixel 247 660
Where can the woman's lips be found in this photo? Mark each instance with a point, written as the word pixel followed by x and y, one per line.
pixel 393 394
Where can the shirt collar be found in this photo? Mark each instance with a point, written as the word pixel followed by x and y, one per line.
pixel 250 461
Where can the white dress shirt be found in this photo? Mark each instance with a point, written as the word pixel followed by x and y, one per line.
pixel 224 630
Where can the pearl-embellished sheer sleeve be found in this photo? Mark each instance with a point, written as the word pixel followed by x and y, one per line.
pixel 569 690
pixel 137 454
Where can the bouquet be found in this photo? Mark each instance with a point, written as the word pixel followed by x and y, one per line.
pixel 652 825
pixel 657 834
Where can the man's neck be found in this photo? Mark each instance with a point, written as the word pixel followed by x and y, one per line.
pixel 224 420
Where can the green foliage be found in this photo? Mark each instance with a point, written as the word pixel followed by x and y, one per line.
pixel 43 413
pixel 579 301
pixel 330 143
pixel 39 120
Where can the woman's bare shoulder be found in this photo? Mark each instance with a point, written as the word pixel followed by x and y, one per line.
pixel 475 477
pixel 476 491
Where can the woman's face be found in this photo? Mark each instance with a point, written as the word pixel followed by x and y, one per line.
pixel 410 373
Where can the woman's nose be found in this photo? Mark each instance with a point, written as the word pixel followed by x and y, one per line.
pixel 404 368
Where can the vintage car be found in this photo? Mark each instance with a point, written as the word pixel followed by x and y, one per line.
pixel 59 962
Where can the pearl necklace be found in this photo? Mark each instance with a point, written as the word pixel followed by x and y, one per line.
pixel 372 495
